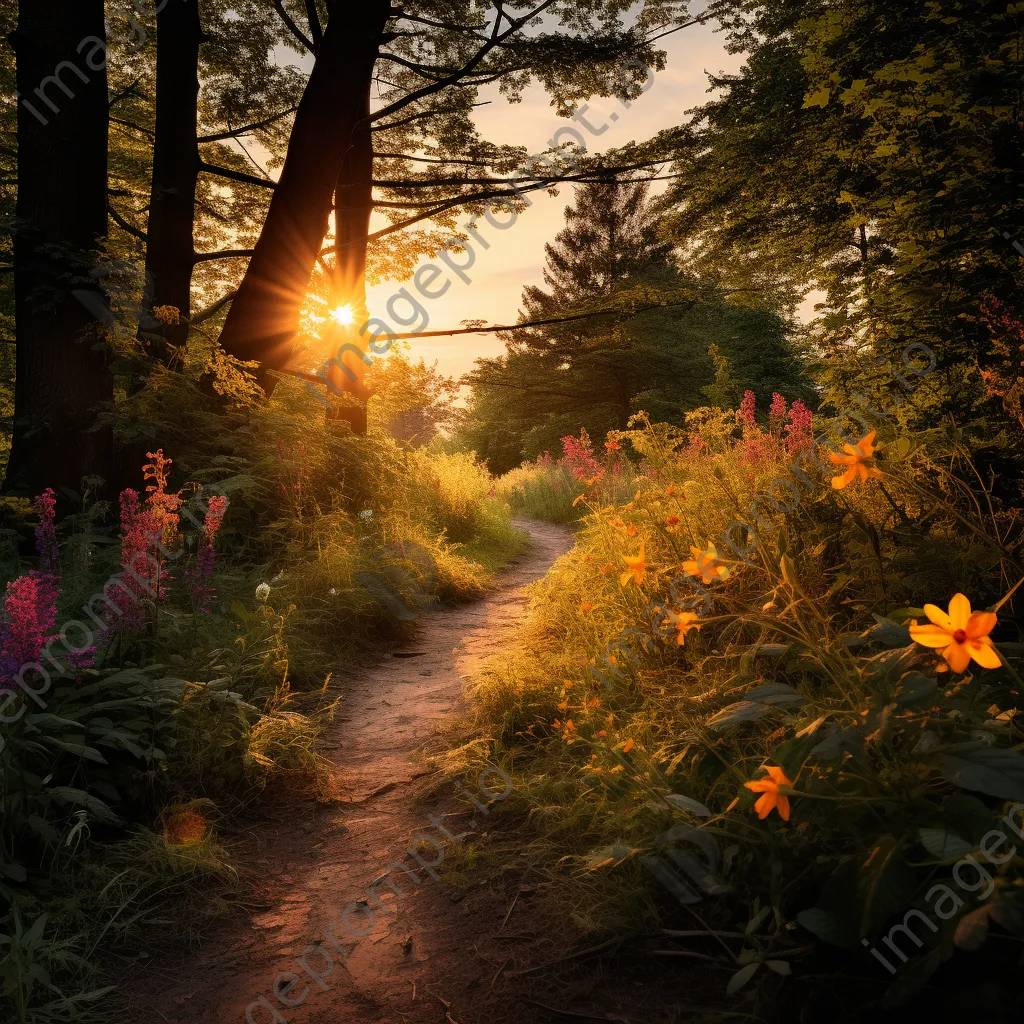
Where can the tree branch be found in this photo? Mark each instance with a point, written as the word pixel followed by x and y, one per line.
pixel 241 176
pixel 546 323
pixel 125 225
pixel 497 37
pixel 227 254
pixel 235 132
pixel 212 310
pixel 315 28
pixel 292 27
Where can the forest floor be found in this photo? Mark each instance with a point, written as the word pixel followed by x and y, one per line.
pixel 471 945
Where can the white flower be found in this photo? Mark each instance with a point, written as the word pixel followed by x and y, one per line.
pixel 262 592
pixel 367 513
pixel 333 592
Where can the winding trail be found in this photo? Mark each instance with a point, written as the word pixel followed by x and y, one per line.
pixel 419 961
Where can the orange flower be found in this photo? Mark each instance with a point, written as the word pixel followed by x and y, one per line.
pixel 684 622
pixel 859 459
pixel 628 746
pixel 670 490
pixel 586 606
pixel 672 521
pixel 706 564
pixel 770 797
pixel 637 569
pixel 963 634
pixel 604 568
pixel 631 530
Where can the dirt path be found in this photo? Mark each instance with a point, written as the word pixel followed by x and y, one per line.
pixel 331 873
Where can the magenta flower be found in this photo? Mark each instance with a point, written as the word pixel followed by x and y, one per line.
pixel 798 430
pixel 748 410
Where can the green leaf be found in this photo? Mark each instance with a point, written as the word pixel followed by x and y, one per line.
pixel 944 845
pixel 824 924
pixel 737 714
pixel 687 804
pixel 885 884
pixel 741 977
pixel 997 772
pixel 818 99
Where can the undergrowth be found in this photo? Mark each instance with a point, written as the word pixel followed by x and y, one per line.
pixel 741 703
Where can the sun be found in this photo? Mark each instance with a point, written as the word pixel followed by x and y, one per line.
pixel 344 315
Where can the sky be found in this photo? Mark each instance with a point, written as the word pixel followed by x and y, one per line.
pixel 516 255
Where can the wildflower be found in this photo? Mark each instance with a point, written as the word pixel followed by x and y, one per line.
pixel 612 445
pixel 586 606
pixel 579 456
pixel 631 530
pixel 770 797
pixel 798 429
pixel 859 459
pixel 672 522
pixel 637 569
pixel 604 568
pixel 963 634
pixel 670 490
pixel 366 515
pixel 777 413
pixel 262 592
pixel 628 745
pixel 197 578
pixel 684 622
pixel 30 610
pixel 46 533
pixel 706 564
pixel 747 414
pixel 167 314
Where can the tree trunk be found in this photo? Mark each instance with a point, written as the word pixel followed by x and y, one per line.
pixel 353 208
pixel 265 313
pixel 170 249
pixel 61 366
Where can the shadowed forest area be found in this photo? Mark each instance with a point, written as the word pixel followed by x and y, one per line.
pixel 646 649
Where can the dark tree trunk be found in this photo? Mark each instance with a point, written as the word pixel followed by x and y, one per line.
pixel 62 372
pixel 353 208
pixel 170 249
pixel 265 313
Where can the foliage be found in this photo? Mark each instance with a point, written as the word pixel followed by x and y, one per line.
pixel 666 339
pixel 766 619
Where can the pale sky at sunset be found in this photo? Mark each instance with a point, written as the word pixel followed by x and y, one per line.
pixel 516 256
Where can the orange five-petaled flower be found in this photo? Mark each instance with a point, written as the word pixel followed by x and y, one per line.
pixel 963 634
pixel 706 564
pixel 684 622
pixel 770 796
pixel 637 569
pixel 859 459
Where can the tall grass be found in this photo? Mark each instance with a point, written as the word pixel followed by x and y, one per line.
pixel 657 679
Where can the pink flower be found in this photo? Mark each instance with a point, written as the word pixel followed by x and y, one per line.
pixel 197 579
pixel 777 413
pixel 748 410
pixel 30 610
pixel 798 430
pixel 579 457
